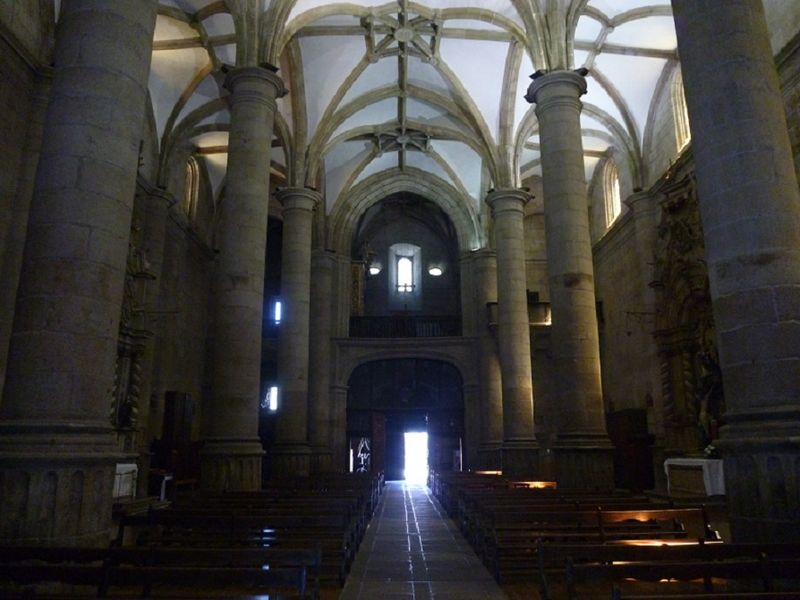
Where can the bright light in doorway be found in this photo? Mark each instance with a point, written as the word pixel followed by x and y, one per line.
pixel 416 451
pixel 272 398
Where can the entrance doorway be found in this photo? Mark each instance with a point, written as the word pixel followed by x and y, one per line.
pixel 416 457
pixel 392 397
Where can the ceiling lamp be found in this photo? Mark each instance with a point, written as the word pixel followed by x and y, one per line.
pixel 435 271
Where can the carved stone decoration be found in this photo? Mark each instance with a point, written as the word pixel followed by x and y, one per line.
pixel 685 333
pixel 133 335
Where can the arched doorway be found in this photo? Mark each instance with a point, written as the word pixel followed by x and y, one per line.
pixel 388 398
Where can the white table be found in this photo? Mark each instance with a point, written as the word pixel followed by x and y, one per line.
pixel 713 475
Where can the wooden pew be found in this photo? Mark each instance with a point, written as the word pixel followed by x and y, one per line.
pixel 761 569
pixel 117 572
pixel 513 550
pixel 701 561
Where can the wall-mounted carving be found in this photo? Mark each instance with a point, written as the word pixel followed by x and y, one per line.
pixel 133 334
pixel 685 333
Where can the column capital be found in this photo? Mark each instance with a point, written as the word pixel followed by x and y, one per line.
pixel 507 199
pixel 556 85
pixel 301 198
pixel 254 83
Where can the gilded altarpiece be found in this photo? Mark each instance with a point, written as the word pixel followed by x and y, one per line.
pixel 691 383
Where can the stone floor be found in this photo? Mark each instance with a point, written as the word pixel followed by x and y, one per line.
pixel 413 551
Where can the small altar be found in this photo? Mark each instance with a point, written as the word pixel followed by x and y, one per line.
pixel 695 476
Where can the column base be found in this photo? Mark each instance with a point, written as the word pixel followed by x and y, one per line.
pixel 291 460
pixel 520 459
pixel 56 482
pixel 584 461
pixel 231 464
pixel 490 457
pixel 321 460
pixel 761 479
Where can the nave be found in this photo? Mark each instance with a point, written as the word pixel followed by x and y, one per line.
pixel 413 551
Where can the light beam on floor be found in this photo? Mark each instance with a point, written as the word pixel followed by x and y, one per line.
pixel 416 455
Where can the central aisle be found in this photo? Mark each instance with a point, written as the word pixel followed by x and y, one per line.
pixel 413 551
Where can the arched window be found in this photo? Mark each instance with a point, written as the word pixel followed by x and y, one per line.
pixel 611 191
pixel 683 134
pixel 405 274
pixel 191 188
pixel 405 277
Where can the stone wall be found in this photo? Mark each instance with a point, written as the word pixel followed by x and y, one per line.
pixel 626 318
pixel 783 21
pixel 18 141
pixel 183 323
pixel 660 147
pixel 32 23
pixel 788 62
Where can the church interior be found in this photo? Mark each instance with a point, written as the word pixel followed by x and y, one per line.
pixel 253 251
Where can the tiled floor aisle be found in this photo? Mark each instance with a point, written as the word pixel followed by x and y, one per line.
pixel 412 551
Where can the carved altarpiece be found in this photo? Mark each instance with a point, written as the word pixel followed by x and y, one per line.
pixel 691 383
pixel 132 340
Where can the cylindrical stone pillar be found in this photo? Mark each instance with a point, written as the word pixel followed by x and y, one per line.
pixel 323 264
pixel 231 456
pixel 583 451
pixel 491 382
pixel 519 452
pixel 750 207
pixel 57 452
pixel 291 451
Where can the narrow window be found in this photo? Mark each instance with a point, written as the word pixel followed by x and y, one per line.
pixel 270 401
pixel 611 191
pixel 192 185
pixel 405 274
pixel 683 134
pixel 277 312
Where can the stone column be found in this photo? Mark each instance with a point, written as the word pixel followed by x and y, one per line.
pixel 57 451
pixel 291 451
pixel 519 451
pixel 231 456
pixel 750 208
pixel 491 436
pixel 583 451
pixel 323 264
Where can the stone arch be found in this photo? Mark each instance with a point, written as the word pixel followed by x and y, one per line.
pixel 349 208
pixel 456 354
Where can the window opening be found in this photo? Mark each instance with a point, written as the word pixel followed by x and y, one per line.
pixel 277 312
pixel 192 186
pixel 683 134
pixel 405 274
pixel 270 400
pixel 611 191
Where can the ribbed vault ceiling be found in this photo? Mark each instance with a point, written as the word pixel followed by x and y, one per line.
pixel 436 86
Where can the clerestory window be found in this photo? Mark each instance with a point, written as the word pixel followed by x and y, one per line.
pixel 611 191
pixel 405 274
pixel 405 277
pixel 683 134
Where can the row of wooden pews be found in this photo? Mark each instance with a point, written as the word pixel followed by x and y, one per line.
pixel 601 544
pixel 292 539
